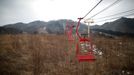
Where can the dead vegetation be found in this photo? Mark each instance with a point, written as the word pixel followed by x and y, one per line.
pixel 45 55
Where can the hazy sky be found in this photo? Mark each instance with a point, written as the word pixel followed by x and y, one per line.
pixel 13 11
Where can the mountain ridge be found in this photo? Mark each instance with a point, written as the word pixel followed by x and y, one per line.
pixel 35 27
pixel 122 26
pixel 119 26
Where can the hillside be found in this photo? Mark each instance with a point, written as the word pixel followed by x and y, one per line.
pixel 50 27
pixel 120 26
pixel 4 30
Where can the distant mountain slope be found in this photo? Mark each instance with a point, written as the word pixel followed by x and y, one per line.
pixel 29 28
pixel 4 30
pixel 118 27
pixel 51 27
pixel 122 25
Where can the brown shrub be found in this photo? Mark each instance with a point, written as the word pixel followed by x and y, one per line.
pixel 45 55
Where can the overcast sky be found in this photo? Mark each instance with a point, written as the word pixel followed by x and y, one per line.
pixel 13 11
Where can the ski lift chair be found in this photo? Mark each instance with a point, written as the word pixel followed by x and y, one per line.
pixel 84 47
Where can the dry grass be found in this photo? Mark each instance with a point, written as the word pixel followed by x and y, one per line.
pixel 45 55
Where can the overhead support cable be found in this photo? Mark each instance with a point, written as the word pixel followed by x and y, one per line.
pixel 114 18
pixel 116 14
pixel 117 1
pixel 93 8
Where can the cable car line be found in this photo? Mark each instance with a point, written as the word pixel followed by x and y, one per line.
pixel 117 1
pixel 93 8
pixel 115 17
pixel 116 14
pixel 83 45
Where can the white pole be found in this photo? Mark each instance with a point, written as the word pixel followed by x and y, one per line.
pixel 88 21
